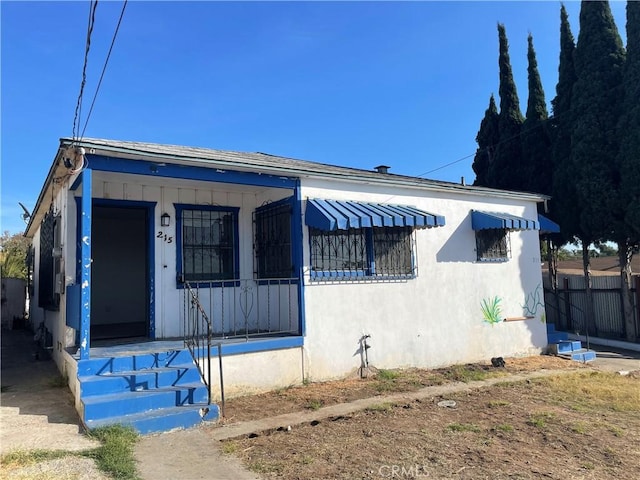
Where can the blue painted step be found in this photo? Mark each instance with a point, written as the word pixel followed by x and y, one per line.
pixel 127 363
pixel 583 355
pixel 559 344
pixel 138 380
pixel 557 337
pixel 152 392
pixel 565 346
pixel 162 420
pixel 118 404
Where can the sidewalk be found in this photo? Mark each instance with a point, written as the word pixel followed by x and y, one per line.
pixel 36 412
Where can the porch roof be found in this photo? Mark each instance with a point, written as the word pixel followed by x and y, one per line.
pixel 342 215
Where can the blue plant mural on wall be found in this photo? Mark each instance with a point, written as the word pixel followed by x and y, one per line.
pixel 491 310
pixel 533 302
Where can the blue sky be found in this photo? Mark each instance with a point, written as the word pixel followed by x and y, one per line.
pixel 357 84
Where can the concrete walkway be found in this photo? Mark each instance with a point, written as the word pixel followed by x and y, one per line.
pixel 34 414
pixel 36 409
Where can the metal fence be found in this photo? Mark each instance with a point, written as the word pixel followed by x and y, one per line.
pixel 567 309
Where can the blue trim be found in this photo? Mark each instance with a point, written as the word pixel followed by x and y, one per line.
pixel 85 270
pixel 276 281
pixel 78 242
pixel 297 232
pixel 347 274
pixel 486 220
pixel 253 346
pixel 211 284
pixel 547 225
pixel 207 174
pixel 354 275
pixel 331 215
pixel 179 207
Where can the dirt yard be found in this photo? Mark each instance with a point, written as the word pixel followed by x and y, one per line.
pixel 582 425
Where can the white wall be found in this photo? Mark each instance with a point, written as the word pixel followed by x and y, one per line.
pixel 434 319
pixel 252 373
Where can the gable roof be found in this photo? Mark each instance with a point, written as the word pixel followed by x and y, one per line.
pixel 274 164
pixel 261 162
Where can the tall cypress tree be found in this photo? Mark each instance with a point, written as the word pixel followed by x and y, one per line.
pixel 563 205
pixel 629 164
pixel 596 104
pixel 506 169
pixel 630 123
pixel 536 144
pixel 487 139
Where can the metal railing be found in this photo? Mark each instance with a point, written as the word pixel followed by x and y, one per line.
pixel 247 308
pixel 197 335
pixel 559 313
pixel 215 312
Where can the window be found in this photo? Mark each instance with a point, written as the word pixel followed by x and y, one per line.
pixel 492 245
pixel 207 243
pixel 273 240
pixel 362 252
pixel 49 272
pixel 392 251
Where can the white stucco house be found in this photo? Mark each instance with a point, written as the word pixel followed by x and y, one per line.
pixel 293 265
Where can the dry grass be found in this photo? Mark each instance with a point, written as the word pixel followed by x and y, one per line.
pixel 528 429
pixel 589 390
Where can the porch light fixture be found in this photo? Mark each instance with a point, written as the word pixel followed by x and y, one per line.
pixel 165 220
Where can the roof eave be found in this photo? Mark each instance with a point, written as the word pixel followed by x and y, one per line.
pixel 379 179
pixel 29 231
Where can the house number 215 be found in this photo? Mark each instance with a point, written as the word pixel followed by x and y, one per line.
pixel 165 237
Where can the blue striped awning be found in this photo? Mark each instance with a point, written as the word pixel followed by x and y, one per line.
pixel 343 215
pixel 484 220
pixel 548 226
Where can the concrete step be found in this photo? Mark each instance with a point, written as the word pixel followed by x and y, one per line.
pixel 583 355
pixel 128 363
pixel 162 420
pixel 551 327
pixel 100 407
pixel 563 347
pixel 133 381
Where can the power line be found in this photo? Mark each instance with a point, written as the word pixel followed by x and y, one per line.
pixel 447 165
pixel 104 68
pixel 92 17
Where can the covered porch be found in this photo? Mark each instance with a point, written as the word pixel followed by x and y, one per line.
pixel 232 259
